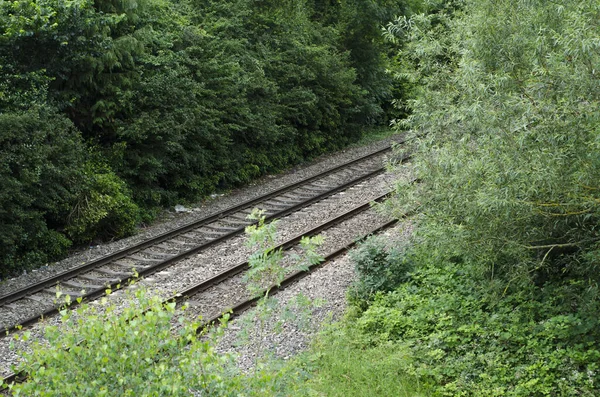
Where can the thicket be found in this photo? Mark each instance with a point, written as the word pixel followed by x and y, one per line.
pixel 133 353
pixel 155 102
pixel 502 298
pixel 378 269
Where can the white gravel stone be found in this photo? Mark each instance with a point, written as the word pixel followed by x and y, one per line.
pixel 221 256
pixel 328 284
pixel 170 220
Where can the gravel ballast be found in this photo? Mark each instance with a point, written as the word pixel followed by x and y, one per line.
pixel 218 202
pixel 327 284
pixel 228 253
pixel 221 256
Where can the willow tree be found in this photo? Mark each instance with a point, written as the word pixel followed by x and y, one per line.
pixel 507 121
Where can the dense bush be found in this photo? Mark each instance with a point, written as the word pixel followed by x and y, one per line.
pixel 378 269
pixel 464 340
pixel 41 164
pixel 103 209
pixel 135 353
pixel 179 98
pixel 185 97
pixel 50 194
pixel 508 119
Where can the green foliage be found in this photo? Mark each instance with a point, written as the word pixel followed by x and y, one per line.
pixel 466 340
pixel 103 209
pixel 359 23
pixel 267 270
pixel 339 366
pixel 361 36
pixel 503 296
pixel 299 91
pixel 378 269
pixel 135 353
pixel 50 194
pixel 265 262
pixel 180 98
pixel 266 267
pixel 508 118
pixel 41 165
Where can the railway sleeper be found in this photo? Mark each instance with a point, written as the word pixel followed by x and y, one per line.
pixel 346 173
pixel 286 202
pixel 12 306
pixel 194 303
pixel 122 263
pixel 101 281
pixel 74 284
pixel 142 259
pixel 165 245
pixel 276 206
pixel 157 254
pixel 315 189
pixel 210 234
pixel 191 236
pixel 131 267
pixel 38 299
pixel 298 196
pixel 235 221
pixel 323 185
pixel 179 242
pixel 120 275
pixel 71 293
pixel 221 228
pixel 241 217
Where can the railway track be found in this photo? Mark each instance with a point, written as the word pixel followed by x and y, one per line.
pixel 242 305
pixel 197 293
pixel 89 281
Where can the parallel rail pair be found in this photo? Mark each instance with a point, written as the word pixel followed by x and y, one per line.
pixel 238 307
pixel 155 254
pixel 276 207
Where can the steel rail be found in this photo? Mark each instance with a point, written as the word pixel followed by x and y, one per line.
pixel 118 284
pixel 291 242
pixel 71 273
pixel 243 305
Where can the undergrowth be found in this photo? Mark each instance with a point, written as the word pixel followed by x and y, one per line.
pixel 339 365
pixel 467 338
pixel 102 353
pixel 502 295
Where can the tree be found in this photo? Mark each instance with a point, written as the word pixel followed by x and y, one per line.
pixel 507 121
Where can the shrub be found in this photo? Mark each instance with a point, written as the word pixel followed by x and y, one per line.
pixel 51 194
pixel 507 156
pixel 135 353
pixel 41 170
pixel 103 209
pixel 183 98
pixel 465 340
pixel 378 269
pixel 503 296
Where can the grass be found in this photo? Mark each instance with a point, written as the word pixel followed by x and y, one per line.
pixel 341 368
